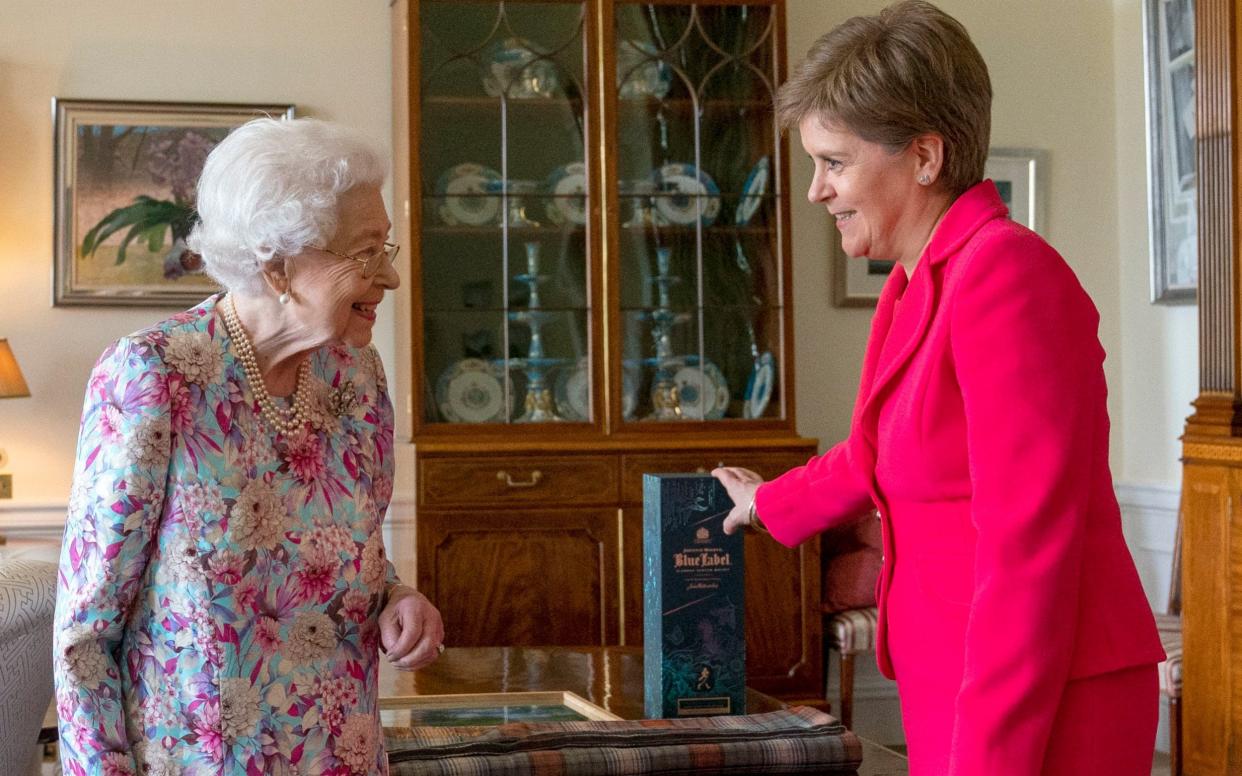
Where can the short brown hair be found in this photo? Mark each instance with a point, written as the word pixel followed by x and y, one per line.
pixel 909 70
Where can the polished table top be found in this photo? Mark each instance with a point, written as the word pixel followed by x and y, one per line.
pixel 611 677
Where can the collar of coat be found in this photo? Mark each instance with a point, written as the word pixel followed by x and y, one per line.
pixel 977 206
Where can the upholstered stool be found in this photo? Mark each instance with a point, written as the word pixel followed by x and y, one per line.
pixel 850 633
pixel 27 603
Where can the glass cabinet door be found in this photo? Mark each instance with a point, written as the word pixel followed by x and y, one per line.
pixel 700 234
pixel 504 192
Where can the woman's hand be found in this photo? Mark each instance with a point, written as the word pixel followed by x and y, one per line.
pixel 411 630
pixel 741 485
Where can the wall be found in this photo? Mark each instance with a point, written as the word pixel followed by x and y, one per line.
pixel 1068 78
pixel 286 50
pixel 1160 340
pixel 299 51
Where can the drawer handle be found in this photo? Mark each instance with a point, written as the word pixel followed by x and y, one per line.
pixel 535 477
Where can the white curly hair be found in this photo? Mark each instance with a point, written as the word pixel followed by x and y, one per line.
pixel 270 189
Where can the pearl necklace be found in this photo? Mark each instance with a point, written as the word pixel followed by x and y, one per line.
pixel 286 420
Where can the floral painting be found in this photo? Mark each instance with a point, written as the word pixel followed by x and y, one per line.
pixel 126 174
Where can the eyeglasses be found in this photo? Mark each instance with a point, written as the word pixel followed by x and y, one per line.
pixel 371 264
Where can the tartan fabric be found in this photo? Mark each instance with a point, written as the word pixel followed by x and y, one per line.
pixel 1170 627
pixel 798 740
pixel 853 631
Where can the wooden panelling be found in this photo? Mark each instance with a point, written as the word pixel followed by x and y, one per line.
pixel 767 465
pixel 1212 444
pixel 522 577
pixel 1217 162
pixel 1206 674
pixel 542 480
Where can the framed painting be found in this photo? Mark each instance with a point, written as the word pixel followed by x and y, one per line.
pixel 1019 175
pixel 487 709
pixel 125 177
pixel 1169 47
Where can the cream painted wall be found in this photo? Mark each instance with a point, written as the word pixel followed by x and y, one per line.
pixel 1068 78
pixel 1159 340
pixel 330 58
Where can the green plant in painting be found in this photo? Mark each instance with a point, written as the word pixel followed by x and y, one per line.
pixel 175 162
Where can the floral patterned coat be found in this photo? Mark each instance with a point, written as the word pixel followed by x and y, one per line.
pixel 220 583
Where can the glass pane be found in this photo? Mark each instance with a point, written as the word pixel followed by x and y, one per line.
pixel 743 343
pixel 660 341
pixel 504 209
pixel 465 377
pixel 700 245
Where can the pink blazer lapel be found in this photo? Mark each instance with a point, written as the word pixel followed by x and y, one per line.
pixel 881 322
pixel 894 337
pixel 974 208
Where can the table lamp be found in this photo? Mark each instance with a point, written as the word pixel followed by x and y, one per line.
pixel 12 386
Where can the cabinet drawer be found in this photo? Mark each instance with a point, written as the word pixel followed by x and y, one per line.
pixel 767 465
pixel 445 482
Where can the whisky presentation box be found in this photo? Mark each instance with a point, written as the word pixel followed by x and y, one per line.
pixel 694 638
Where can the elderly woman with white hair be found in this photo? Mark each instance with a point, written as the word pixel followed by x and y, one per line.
pixel 224 589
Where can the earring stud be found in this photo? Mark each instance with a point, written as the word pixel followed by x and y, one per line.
pixel 924 179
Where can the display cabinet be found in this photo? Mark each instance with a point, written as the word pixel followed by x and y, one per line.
pixel 598 222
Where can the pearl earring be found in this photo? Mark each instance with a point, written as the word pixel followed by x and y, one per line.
pixel 284 298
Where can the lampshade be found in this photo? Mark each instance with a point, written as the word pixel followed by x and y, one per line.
pixel 12 384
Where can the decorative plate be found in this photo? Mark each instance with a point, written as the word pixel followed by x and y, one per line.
pixel 573 389
pixel 703 393
pixel 688 187
pixel 753 189
pixel 641 72
pixel 568 186
pixel 468 191
pixel 759 386
pixel 470 391
pixel 514 71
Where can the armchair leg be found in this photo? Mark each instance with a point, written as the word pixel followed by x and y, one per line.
pixel 1175 736
pixel 847 690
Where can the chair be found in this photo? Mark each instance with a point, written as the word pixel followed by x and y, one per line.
pixel 850 633
pixel 851 564
pixel 1170 626
pixel 27 603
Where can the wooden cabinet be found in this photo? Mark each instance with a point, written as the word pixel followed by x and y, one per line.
pixel 597 205
pixel 527 577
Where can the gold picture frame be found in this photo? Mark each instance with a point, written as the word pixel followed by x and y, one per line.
pixel 124 178
pixel 1020 176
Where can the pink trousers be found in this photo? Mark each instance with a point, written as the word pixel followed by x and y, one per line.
pixel 1105 726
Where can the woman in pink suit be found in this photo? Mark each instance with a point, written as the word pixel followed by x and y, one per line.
pixel 1011 614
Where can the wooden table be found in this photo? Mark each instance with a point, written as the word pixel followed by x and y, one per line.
pixel 611 677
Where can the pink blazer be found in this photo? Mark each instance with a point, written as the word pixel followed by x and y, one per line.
pixel 980 432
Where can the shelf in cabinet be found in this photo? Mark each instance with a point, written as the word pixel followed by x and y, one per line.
pixel 675 103
pixel 502 310
pixel 689 229
pixel 535 231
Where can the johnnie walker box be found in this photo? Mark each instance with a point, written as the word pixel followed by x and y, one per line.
pixel 694 659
